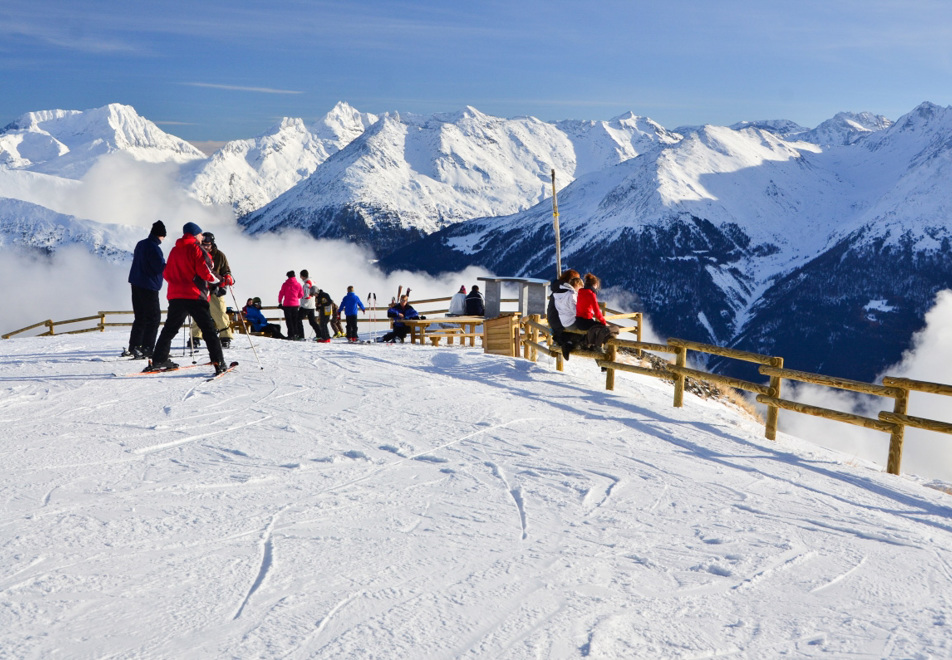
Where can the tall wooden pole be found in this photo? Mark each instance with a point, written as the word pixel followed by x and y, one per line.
pixel 555 224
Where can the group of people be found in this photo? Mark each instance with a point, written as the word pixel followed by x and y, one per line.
pixel 574 314
pixel 198 275
pixel 305 300
pixel 463 304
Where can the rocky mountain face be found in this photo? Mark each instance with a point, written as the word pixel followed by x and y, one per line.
pixel 408 176
pixel 247 174
pixel 827 256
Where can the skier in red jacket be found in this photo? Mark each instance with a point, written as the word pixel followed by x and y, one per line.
pixel 189 274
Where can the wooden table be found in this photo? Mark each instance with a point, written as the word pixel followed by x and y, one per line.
pixel 420 328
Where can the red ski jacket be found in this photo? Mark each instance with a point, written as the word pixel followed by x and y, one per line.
pixel 587 306
pixel 189 270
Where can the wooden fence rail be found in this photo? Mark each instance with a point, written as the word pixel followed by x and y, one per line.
pixel 894 423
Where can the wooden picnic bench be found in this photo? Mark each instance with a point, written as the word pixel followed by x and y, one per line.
pixel 420 329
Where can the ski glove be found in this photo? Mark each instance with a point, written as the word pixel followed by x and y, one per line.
pixel 228 280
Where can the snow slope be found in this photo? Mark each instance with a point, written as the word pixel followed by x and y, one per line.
pixel 408 502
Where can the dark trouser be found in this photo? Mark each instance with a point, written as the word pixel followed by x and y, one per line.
pixel 145 325
pixel 335 323
pixel 292 319
pixel 179 310
pixel 399 332
pixel 324 333
pixel 352 327
pixel 596 333
pixel 307 313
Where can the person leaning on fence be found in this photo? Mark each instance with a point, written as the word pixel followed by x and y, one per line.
pixel 258 321
pixel 189 274
pixel 289 300
pixel 348 307
pixel 309 303
pixel 589 317
pixel 399 312
pixel 145 277
pixel 474 303
pixel 217 303
pixel 560 312
pixel 458 303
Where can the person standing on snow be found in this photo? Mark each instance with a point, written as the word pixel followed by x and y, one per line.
pixel 325 309
pixel 309 304
pixel 145 276
pixel 289 299
pixel 189 274
pixel 216 302
pixel 348 307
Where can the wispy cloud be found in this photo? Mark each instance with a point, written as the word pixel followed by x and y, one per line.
pixel 241 88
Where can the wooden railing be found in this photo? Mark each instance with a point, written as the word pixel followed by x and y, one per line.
pixel 897 389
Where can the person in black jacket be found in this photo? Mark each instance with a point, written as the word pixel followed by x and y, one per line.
pixel 474 302
pixel 145 276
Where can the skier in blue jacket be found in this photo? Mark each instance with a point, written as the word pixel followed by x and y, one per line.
pixel 145 276
pixel 348 307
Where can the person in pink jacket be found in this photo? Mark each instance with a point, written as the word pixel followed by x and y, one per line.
pixel 289 299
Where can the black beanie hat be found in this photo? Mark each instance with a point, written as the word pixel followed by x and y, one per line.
pixel 158 228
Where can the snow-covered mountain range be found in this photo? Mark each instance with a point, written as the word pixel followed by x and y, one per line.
pixel 766 235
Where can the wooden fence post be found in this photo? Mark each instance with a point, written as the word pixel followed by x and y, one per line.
pixel 896 437
pixel 610 355
pixel 680 360
pixel 773 412
pixel 534 337
pixel 102 321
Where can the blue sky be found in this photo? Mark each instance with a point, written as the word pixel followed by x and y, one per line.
pixel 214 70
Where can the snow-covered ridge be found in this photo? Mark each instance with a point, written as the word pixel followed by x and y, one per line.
pixel 67 143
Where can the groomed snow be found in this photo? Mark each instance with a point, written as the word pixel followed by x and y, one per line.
pixel 417 502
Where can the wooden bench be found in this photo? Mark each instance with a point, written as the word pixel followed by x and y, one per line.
pixel 420 328
pixel 450 333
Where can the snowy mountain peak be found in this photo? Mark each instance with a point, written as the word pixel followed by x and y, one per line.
pixel 68 142
pixel 845 128
pixel 342 124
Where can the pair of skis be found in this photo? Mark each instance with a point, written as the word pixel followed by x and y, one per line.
pixel 228 369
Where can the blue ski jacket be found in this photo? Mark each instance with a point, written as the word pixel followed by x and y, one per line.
pixel 148 264
pixel 350 304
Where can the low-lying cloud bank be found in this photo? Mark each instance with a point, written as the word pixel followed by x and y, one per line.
pixel 925 453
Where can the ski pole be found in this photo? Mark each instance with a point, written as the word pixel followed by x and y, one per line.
pixel 190 341
pixel 244 327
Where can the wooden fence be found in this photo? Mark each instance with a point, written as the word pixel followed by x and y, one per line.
pixel 533 332
pixel 897 389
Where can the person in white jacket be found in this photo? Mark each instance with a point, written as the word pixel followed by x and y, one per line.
pixel 458 303
pixel 308 302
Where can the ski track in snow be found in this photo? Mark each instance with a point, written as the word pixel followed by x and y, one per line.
pixel 366 505
pixel 183 441
pixel 267 558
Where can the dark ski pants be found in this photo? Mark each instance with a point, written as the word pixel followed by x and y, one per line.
pixel 323 319
pixel 179 310
pixel 145 325
pixel 292 319
pixel 307 313
pixel 352 327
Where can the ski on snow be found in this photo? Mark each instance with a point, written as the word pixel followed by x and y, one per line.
pixel 219 375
